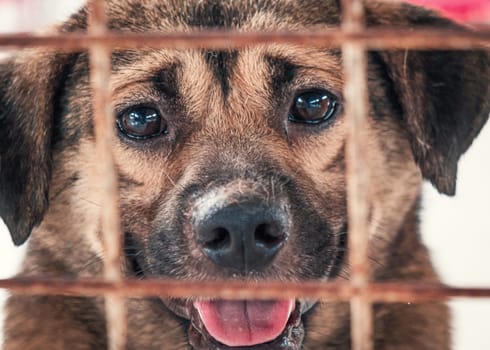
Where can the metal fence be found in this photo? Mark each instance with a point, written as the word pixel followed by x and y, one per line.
pixel 353 39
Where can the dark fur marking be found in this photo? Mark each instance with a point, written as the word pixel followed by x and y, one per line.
pixel 166 82
pixel 221 64
pixel 132 250
pixel 283 72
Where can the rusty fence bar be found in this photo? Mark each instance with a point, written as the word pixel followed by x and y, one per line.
pixel 422 38
pixel 355 97
pixel 388 292
pixel 354 40
pixel 100 69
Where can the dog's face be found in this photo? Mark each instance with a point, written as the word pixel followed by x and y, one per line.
pixel 231 162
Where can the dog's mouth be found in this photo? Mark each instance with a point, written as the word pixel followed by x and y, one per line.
pixel 243 324
pixel 219 324
pixel 235 324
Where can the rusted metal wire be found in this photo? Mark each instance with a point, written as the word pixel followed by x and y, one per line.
pixel 107 179
pixel 422 38
pixel 356 111
pixel 354 40
pixel 389 292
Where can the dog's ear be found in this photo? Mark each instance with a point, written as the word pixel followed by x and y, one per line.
pixel 444 95
pixel 29 87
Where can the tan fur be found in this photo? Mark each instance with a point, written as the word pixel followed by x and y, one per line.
pixel 229 135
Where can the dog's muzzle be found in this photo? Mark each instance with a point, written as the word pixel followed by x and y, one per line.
pixel 238 231
pixel 241 230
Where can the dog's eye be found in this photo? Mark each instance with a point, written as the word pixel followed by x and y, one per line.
pixel 313 107
pixel 141 123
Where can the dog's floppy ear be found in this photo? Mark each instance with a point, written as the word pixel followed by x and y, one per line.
pixel 444 95
pixel 29 86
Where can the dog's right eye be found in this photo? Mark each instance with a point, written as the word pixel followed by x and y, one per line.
pixel 141 123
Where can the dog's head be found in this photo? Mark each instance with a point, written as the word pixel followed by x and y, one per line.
pixel 231 162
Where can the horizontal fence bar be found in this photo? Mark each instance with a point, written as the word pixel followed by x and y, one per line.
pixel 421 38
pixel 337 290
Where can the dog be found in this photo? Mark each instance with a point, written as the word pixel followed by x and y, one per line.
pixel 231 166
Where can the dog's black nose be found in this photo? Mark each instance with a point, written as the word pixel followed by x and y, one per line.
pixel 242 236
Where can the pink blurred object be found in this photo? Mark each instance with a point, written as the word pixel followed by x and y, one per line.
pixel 471 11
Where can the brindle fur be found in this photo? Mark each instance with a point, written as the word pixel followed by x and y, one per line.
pixel 227 114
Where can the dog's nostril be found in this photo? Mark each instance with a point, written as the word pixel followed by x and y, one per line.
pixel 218 238
pixel 270 235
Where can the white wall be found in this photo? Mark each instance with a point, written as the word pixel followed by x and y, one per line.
pixel 457 230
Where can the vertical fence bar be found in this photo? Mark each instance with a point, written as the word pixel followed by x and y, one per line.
pixel 100 68
pixel 356 99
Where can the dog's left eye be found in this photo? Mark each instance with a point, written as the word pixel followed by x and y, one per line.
pixel 313 107
pixel 141 123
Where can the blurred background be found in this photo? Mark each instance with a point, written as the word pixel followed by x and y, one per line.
pixel 456 230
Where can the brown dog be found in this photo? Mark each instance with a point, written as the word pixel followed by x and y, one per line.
pixel 231 166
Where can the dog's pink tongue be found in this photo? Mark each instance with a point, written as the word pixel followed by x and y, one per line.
pixel 244 323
